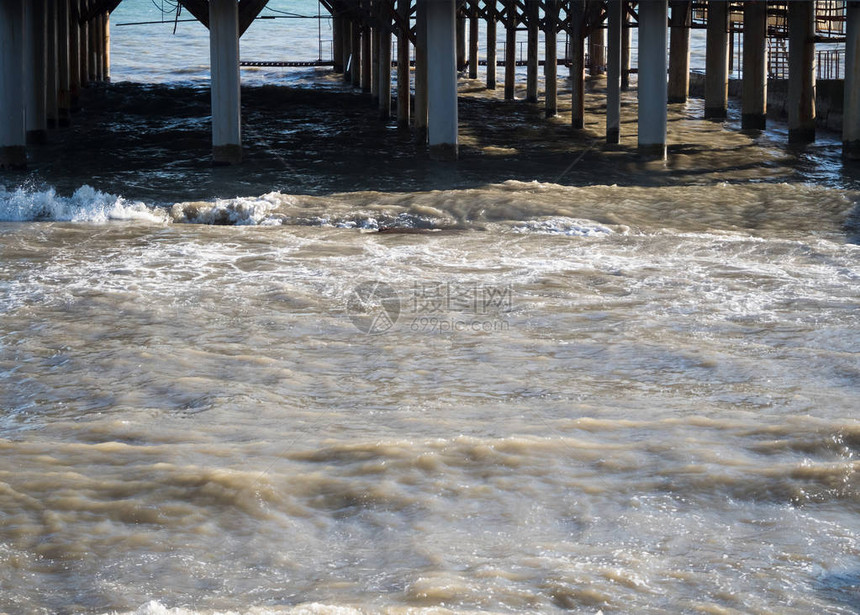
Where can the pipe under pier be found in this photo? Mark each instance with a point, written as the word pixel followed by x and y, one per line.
pixel 51 49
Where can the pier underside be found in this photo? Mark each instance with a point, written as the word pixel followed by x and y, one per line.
pixel 51 49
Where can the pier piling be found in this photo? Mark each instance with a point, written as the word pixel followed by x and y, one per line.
pixel 384 87
pixel 754 84
pixel 13 153
pixel 679 51
pixel 442 79
pixel 613 72
pixel 64 102
pixel 550 66
pixel 577 63
pixel 533 28
pixel 491 45
pixel 74 54
pixel 851 106
pixel 653 19
pixel 717 60
pixel 421 84
pixel 801 71
pixel 473 42
pixel 226 93
pixel 510 48
pixel 35 71
pixel 403 90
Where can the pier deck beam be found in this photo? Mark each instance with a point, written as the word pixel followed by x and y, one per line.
pixel 442 79
pixel 35 71
pixel 851 108
pixel 717 60
pixel 653 35
pixel 754 94
pixel 491 46
pixel 801 71
pixel 13 151
pixel 613 72
pixel 226 93
pixel 679 51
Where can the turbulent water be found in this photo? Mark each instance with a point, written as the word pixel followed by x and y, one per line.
pixel 548 378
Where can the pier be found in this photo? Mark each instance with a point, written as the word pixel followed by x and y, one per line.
pixel 51 49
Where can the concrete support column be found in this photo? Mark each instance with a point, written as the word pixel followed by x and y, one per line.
pixel 64 99
pixel 337 43
pixel 52 85
pixel 442 79
pixel 346 48
pixel 366 59
pixel 754 95
pixel 679 51
pixel 626 42
pixel 74 54
pixel 84 51
pixel 403 91
pixel 577 63
pixel 801 71
pixel 384 86
pixel 510 49
pixel 375 42
pixel 106 46
pixel 613 72
pixel 226 93
pixel 717 60
pixel 461 43
pixel 851 107
pixel 92 69
pixel 473 43
pixel 533 25
pixel 550 67
pixel 491 46
pixel 421 57
pixel 596 40
pixel 35 70
pixel 96 30
pixel 355 63
pixel 13 138
pixel 653 36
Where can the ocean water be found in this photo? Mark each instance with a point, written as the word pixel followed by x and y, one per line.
pixel 344 379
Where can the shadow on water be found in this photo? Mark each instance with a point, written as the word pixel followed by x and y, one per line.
pixel 842 588
pixel 152 143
